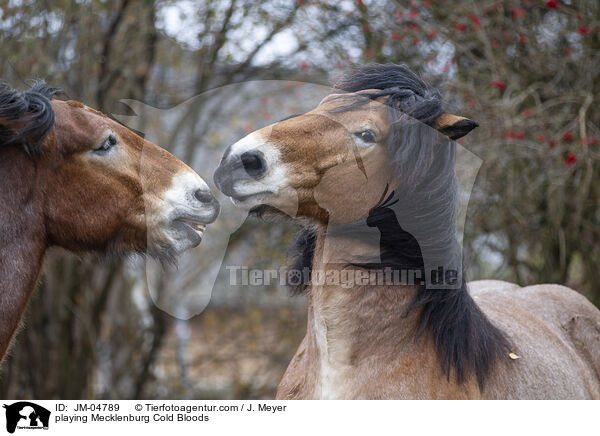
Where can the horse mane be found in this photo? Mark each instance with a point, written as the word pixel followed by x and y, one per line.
pixel 424 211
pixel 26 116
pixel 302 251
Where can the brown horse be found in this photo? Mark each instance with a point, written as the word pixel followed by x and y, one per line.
pixel 360 163
pixel 74 178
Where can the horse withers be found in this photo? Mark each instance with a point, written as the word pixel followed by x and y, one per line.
pixel 379 158
pixel 74 178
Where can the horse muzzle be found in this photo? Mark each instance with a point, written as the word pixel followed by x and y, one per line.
pixel 250 172
pixel 188 206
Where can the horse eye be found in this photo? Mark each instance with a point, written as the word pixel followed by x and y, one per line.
pixel 366 136
pixel 108 143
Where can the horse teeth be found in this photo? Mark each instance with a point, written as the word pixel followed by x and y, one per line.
pixel 197 226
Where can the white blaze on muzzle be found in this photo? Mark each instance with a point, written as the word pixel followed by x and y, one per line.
pixel 184 210
pixel 242 180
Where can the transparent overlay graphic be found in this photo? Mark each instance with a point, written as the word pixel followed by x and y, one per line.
pixel 422 190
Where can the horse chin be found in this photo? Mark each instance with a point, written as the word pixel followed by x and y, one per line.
pixel 263 210
pixel 167 244
pixel 249 202
pixel 161 251
pixel 267 212
pixel 267 204
pixel 167 253
pixel 184 236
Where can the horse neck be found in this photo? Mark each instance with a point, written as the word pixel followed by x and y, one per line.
pixel 347 324
pixel 22 239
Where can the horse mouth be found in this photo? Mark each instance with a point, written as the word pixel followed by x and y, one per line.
pixel 264 210
pixel 195 226
pixel 246 200
pixel 194 229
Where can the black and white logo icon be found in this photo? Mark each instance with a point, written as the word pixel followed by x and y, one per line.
pixel 26 415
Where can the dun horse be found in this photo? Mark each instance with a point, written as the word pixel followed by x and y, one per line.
pixel 482 340
pixel 73 178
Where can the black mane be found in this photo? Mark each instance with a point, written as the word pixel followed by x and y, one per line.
pixel 421 230
pixel 26 116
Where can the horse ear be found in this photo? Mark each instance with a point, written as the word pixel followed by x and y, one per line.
pixel 454 126
pixel 26 117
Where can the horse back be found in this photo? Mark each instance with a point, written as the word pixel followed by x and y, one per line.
pixel 555 332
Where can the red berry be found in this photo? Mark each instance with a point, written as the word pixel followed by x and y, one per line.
pixel 475 20
pixel 570 159
pixel 567 136
pixel 583 30
pixel 498 84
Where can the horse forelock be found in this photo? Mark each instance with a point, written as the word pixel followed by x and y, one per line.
pixel 26 116
pixel 405 91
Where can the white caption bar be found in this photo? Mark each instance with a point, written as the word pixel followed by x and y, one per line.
pixel 297 418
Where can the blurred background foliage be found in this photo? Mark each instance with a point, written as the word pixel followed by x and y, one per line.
pixel 526 70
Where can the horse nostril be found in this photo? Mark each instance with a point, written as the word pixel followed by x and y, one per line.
pixel 254 163
pixel 204 196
